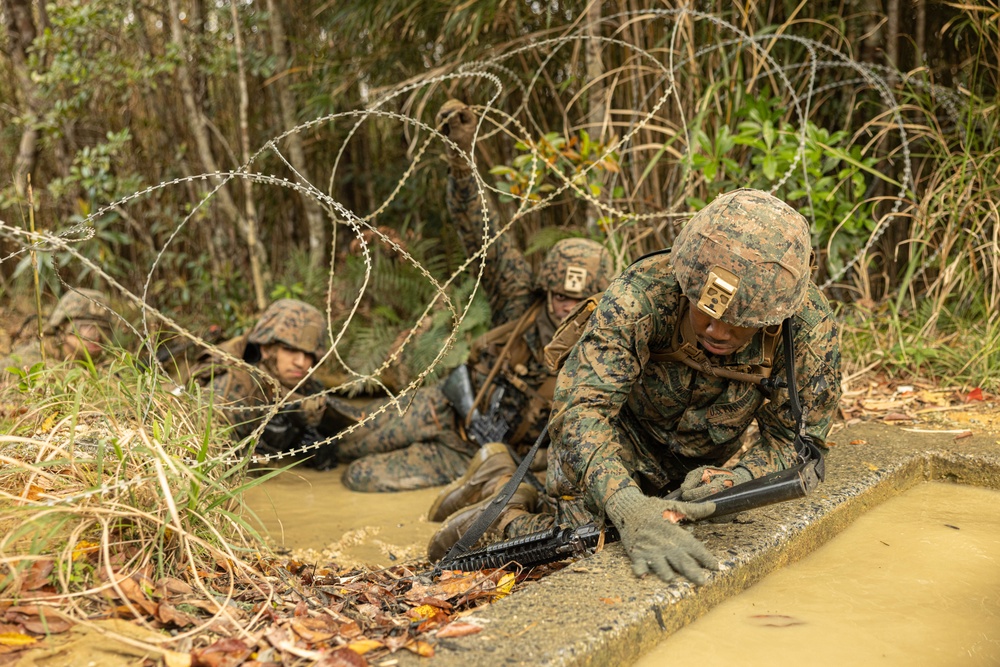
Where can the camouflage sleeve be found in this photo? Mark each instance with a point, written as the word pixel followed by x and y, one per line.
pixel 817 376
pixel 592 387
pixel 507 274
pixel 234 403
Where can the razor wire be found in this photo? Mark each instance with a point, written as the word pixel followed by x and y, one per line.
pixel 800 82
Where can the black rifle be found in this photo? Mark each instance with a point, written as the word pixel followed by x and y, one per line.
pixel 557 543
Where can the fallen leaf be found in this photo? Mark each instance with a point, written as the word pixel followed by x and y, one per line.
pixel 458 629
pixel 614 600
pixel 362 646
pixel 872 466
pixel 896 417
pixel 422 613
pixel 966 434
pixel 16 639
pixel 342 657
pixel 46 625
pixel 38 574
pixel 168 613
pixel 975 395
pixel 133 591
pixel 313 630
pixel 84 548
pixel 423 649
pixel 170 586
pixel 505 585
pixel 349 630
pixel 223 653
pixel 859 442
pixel 49 422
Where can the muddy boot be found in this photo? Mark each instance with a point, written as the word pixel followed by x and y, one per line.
pixel 522 502
pixel 489 469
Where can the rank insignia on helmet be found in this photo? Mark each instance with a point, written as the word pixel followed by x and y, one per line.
pixel 576 278
pixel 718 292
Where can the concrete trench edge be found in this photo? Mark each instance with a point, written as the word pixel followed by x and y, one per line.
pixel 595 612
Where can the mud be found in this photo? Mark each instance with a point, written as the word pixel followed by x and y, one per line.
pixel 914 581
pixel 312 516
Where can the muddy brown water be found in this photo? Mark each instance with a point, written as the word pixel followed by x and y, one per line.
pixel 915 581
pixel 312 515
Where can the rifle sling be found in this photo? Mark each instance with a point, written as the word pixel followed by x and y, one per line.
pixel 518 328
pixel 492 511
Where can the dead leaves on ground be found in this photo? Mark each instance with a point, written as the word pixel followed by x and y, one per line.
pixel 921 403
pixel 322 616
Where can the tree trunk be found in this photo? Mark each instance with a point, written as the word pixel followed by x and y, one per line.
pixel 920 6
pixel 21 31
pixel 256 249
pixel 892 35
pixel 597 93
pixel 296 155
pixel 199 130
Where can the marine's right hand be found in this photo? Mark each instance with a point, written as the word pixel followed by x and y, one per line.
pixel 654 541
pixel 457 122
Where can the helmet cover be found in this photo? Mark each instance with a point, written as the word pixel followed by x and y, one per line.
pixel 744 259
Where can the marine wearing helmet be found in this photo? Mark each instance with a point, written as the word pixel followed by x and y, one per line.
pixel 573 270
pixel 78 328
pixel 663 383
pixel 291 338
pixel 282 347
pixel 509 387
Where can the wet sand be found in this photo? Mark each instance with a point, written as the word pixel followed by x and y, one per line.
pixel 312 515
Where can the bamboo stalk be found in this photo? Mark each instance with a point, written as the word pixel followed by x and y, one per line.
pixel 34 269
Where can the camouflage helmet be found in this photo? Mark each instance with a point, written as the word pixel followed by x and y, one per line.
pixel 80 305
pixel 576 268
pixel 294 323
pixel 744 259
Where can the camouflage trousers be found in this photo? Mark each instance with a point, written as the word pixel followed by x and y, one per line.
pixel 560 505
pixel 415 450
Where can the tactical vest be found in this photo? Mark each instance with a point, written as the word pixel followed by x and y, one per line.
pixel 683 347
pixel 512 356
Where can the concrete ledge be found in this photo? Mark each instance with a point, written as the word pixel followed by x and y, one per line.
pixel 595 612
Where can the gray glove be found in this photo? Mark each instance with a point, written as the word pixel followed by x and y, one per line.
pixel 706 480
pixel 653 539
pixel 457 122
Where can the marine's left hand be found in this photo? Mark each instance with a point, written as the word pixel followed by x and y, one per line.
pixel 706 480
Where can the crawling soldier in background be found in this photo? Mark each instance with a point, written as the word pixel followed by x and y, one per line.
pixel 282 348
pixel 511 388
pixel 77 329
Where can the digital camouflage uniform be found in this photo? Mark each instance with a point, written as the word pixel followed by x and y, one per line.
pixel 245 397
pixel 621 419
pixel 425 446
pixel 76 307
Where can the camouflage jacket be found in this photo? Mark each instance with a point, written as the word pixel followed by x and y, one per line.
pixel 508 283
pixel 244 398
pixel 620 419
pixel 27 354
